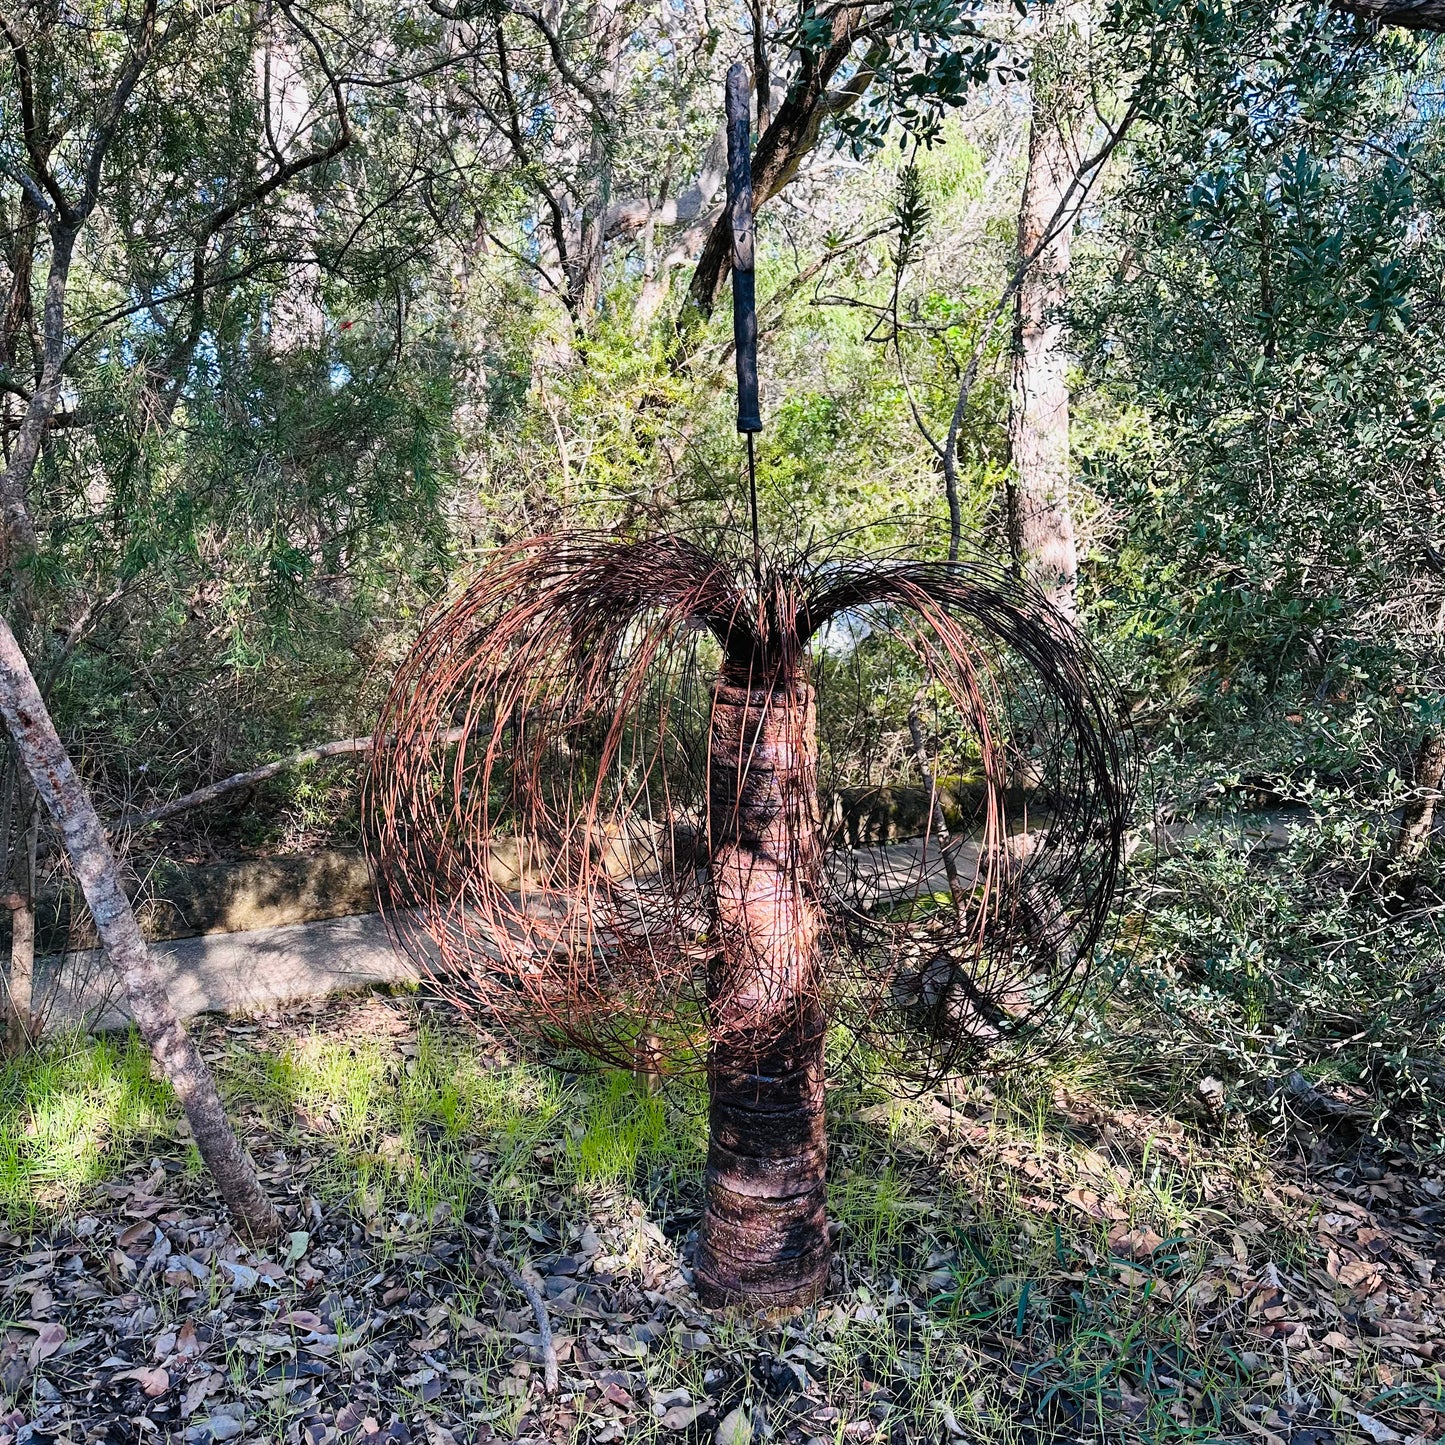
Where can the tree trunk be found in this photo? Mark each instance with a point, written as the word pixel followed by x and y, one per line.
pixel 295 315
pixel 763 1242
pixel 40 750
pixel 1419 15
pixel 790 136
pixel 21 980
pixel 1419 815
pixel 17 528
pixel 21 902
pixel 1041 524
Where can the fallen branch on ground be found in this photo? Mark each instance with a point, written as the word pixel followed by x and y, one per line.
pixel 498 1261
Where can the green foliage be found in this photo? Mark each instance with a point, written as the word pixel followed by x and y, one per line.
pixel 1269 563
pixel 1259 329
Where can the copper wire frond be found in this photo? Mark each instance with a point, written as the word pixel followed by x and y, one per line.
pixel 569 748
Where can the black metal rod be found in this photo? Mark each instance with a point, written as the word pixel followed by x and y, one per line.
pixel 740 211
pixel 753 505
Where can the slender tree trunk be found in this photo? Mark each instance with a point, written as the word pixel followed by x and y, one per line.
pixel 15 519
pixel 1419 816
pixel 764 1236
pixel 586 281
pixel 21 902
pixel 1041 524
pixel 762 79
pixel 44 757
pixel 19 311
pixel 297 320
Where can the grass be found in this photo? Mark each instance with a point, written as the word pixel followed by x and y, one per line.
pixel 428 1122
pixel 1046 1260
pixel 70 1114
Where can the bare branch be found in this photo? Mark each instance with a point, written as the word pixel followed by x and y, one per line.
pixel 177 364
pixel 341 748
pixel 627 217
pixel 27 184
pixel 29 126
pixel 103 132
pixel 792 134
pixel 1065 214
pixel 514 1277
pixel 464 11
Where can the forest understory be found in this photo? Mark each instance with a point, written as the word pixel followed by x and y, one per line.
pixel 1056 1258
pixel 375 514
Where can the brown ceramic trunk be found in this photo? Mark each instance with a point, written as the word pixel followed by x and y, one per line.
pixel 763 1243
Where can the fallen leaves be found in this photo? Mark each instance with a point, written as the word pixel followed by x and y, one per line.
pixel 370 1325
pixel 153 1382
pixel 735 1428
pixel 1138 1244
pixel 48 1340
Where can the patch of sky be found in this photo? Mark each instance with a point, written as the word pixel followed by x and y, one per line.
pixel 842 634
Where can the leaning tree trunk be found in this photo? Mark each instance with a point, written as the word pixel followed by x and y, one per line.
pixel 40 750
pixel 764 1236
pixel 1041 523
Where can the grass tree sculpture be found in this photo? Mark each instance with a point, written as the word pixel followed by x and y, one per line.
pixel 596 815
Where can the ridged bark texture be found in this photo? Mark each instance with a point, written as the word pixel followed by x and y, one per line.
pixel 763 1243
pixel 1418 817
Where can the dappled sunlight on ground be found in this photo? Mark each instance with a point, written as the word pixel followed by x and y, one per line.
pixel 1035 1261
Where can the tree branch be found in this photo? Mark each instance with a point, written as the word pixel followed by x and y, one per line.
pixel 519 148
pixel 30 130
pixel 792 134
pixel 628 217
pixel 341 748
pixel 27 184
pixel 499 1262
pixel 1065 214
pixel 554 45
pixel 103 132
pixel 1407 14
pixel 178 363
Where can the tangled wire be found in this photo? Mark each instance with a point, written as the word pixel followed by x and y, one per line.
pixel 577 753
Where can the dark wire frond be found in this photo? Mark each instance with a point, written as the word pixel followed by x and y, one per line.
pixel 543 803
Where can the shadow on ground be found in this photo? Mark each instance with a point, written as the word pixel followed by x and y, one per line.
pixel 1013 1267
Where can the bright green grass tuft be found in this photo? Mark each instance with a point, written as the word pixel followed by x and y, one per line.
pixel 390 1124
pixel 70 1113
pixel 621 1131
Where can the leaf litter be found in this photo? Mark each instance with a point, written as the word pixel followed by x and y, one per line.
pixel 992 1281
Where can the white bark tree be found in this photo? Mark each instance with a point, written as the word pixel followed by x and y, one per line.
pixel 1041 520
pixel 60 789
